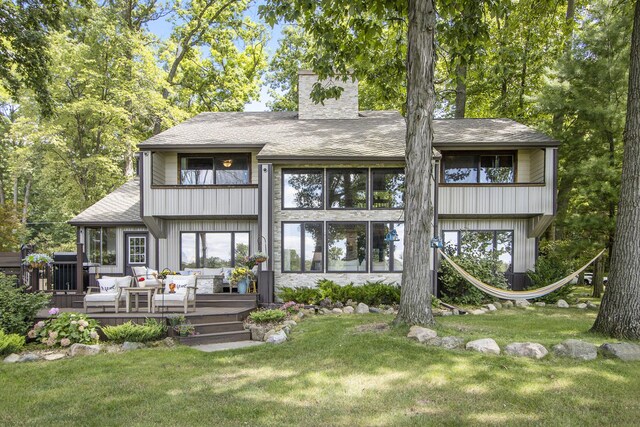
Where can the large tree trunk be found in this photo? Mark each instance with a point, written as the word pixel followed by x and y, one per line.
pixel 619 314
pixel 461 91
pixel 598 276
pixel 415 299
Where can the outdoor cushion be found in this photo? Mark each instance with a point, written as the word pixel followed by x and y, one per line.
pixel 103 297
pixel 108 286
pixel 122 281
pixel 181 283
pixel 171 297
pixel 212 271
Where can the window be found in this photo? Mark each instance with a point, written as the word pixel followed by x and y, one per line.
pixel 213 249
pixel 387 255
pixel 346 246
pixel 302 247
pixel 481 244
pixel 220 169
pixel 347 189
pixel 101 245
pixel 481 168
pixel 137 250
pixel 388 188
pixel 302 189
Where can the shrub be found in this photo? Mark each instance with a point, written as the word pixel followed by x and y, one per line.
pixel 457 290
pixel 10 343
pixel 267 316
pixel 552 265
pixel 291 307
pixel 66 329
pixel 370 293
pixel 302 295
pixel 151 330
pixel 18 308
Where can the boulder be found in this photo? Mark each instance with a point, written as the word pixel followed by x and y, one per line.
pixel 507 304
pixel 374 310
pixel 491 307
pixel 269 334
pixel 522 303
pixel 29 357
pixel 128 346
pixel 338 304
pixel 257 332
pixel 455 312
pixel 277 338
pixel 337 311
pixel 446 313
pixel 54 356
pixel 290 323
pixel 113 349
pixel 351 303
pixel 169 342
pixel 526 349
pixel 576 349
pixel 621 350
pixel 484 345
pixel 83 349
pixel 325 311
pixel 581 306
pixel 348 310
pixel 591 305
pixel 497 305
pixel 12 358
pixel 421 334
pixel 539 304
pixel 477 312
pixel 362 308
pixel 389 311
pixel 562 304
pixel 451 343
pixel 435 341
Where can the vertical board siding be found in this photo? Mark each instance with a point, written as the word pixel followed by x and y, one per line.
pixel 538 165
pixel 524 248
pixel 171 168
pixel 524 166
pixel 121 250
pixel 158 173
pixel 201 201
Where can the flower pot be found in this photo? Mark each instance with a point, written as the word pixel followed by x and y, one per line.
pixel 242 286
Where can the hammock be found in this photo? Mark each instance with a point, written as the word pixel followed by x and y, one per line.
pixel 506 294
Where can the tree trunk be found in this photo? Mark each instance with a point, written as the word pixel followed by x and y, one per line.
pixel 1 191
pixel 415 298
pixel 25 205
pixel 598 275
pixel 461 91
pixel 619 314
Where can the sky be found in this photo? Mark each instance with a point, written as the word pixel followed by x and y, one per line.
pixel 162 29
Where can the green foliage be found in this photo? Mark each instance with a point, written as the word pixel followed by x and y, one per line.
pixel 302 295
pixel 267 316
pixel 12 231
pixel 370 293
pixel 456 290
pixel 553 264
pixel 18 308
pixel 10 343
pixel 151 330
pixel 65 329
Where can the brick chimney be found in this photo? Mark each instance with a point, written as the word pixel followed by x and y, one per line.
pixel 345 107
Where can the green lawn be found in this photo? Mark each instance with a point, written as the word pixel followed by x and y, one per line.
pixel 330 374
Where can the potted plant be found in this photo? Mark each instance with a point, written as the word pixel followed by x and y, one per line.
pixel 240 277
pixel 37 261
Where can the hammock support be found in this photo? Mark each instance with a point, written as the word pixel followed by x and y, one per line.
pixel 507 294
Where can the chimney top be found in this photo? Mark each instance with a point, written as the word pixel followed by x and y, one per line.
pixel 345 107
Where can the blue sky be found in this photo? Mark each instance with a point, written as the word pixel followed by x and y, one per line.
pixel 162 28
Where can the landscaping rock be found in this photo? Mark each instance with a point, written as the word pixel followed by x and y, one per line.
pixel 507 304
pixel 337 311
pixel 591 305
pixel 12 358
pixel 54 356
pixel 374 310
pixel 277 338
pixel 308 312
pixel 29 357
pixel 269 334
pixel 325 303
pixel 484 345
pixel 477 312
pixel 621 350
pixel 522 303
pixel 421 334
pixel 290 323
pixel 113 349
pixel 325 311
pixel 455 312
pixel 351 303
pixel 451 343
pixel 539 304
pixel 581 306
pixel 562 304
pixel 526 349
pixel 497 305
pixel 490 307
pixel 362 308
pixel 169 342
pixel 257 332
pixel 128 346
pixel 83 350
pixel 389 310
pixel 446 313
pixel 435 341
pixel 338 304
pixel 348 310
pixel 576 349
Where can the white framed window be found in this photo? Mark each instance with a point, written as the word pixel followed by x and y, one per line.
pixel 137 250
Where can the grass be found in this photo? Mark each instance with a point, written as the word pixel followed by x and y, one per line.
pixel 330 374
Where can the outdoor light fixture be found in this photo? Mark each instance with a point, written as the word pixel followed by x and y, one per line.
pixel 227 163
pixel 392 236
pixel 436 243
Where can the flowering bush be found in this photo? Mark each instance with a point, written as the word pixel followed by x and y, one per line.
pixel 253 260
pixel 37 260
pixel 292 307
pixel 65 329
pixel 240 273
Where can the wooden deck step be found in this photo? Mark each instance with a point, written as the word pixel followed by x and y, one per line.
pixel 217 337
pixel 212 328
pixel 226 303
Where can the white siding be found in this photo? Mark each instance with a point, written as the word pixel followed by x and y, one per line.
pixel 121 252
pixel 538 165
pixel 158 173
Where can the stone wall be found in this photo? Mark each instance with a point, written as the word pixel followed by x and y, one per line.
pixel 345 107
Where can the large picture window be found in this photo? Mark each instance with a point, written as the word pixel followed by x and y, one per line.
pixel 218 169
pixel 213 249
pixel 101 245
pixel 302 247
pixel 478 169
pixel 347 189
pixel 347 247
pixel 302 189
pixel 388 188
pixel 387 246
pixel 482 244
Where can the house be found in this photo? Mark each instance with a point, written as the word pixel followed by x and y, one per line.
pixel 320 190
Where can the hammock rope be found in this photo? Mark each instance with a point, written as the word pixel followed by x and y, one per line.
pixel 507 294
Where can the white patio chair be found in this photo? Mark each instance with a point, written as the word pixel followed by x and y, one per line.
pixel 184 294
pixel 109 293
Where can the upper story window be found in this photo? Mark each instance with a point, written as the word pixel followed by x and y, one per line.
pixel 388 188
pixel 218 169
pixel 462 168
pixel 347 189
pixel 302 189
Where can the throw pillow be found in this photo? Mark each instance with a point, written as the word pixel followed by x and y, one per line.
pixel 108 286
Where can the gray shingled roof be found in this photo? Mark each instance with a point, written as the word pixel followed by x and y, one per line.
pixel 122 206
pixel 376 134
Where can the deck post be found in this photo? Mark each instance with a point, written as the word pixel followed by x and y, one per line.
pixel 79 270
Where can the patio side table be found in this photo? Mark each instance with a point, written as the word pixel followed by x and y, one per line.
pixel 136 291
